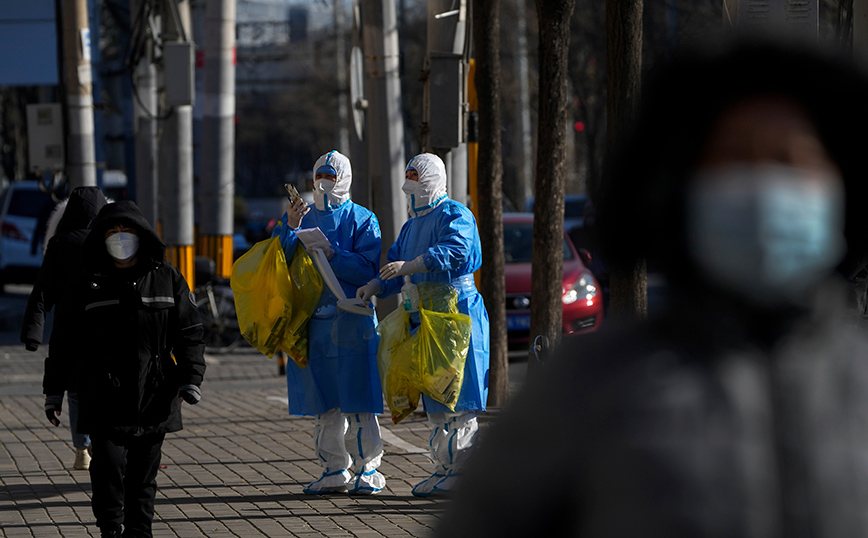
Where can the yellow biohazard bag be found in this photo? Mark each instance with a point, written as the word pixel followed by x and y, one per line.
pixel 443 340
pixel 271 306
pixel 306 283
pixel 393 359
pixel 431 360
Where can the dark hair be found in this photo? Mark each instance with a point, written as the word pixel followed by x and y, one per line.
pixel 641 214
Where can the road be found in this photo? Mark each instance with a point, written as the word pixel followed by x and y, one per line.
pixel 237 469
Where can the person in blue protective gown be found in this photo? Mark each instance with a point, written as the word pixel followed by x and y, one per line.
pixel 440 243
pixel 340 386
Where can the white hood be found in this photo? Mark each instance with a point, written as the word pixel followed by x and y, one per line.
pixel 430 190
pixel 331 199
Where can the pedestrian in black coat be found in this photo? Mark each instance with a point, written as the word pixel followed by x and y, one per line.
pixel 739 408
pixel 128 334
pixel 61 261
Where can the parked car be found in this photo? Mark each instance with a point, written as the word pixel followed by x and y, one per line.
pixel 574 210
pixel 24 210
pixel 582 297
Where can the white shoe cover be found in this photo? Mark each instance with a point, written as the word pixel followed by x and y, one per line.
pixel 426 487
pixel 335 482
pixel 367 483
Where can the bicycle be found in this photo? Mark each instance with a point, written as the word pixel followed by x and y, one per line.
pixel 216 302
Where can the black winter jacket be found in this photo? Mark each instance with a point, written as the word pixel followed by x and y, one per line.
pixel 129 338
pixel 708 422
pixel 62 260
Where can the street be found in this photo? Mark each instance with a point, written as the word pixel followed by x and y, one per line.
pixel 237 468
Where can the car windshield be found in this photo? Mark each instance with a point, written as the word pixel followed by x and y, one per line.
pixel 518 243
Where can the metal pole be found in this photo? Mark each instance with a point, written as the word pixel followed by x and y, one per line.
pixel 447 33
pixel 218 135
pixel 343 126
pixel 145 101
pixel 385 127
pixel 176 153
pixel 80 159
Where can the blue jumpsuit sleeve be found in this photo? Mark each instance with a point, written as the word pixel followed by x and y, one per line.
pixel 455 244
pixel 361 264
pixel 393 285
pixel 288 239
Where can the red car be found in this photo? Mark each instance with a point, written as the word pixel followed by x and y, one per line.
pixel 582 297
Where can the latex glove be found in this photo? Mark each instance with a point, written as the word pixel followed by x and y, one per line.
pixel 367 291
pixel 401 268
pixel 295 212
pixel 190 394
pixel 53 407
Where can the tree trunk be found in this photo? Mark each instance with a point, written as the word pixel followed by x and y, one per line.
pixel 548 232
pixel 486 35
pixel 628 297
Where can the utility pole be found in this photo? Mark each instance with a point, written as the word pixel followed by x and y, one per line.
pixel 80 154
pixel 145 99
pixel 385 127
pixel 445 91
pixel 176 143
pixel 343 126
pixel 217 186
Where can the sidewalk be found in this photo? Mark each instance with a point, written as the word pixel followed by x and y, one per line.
pixel 237 469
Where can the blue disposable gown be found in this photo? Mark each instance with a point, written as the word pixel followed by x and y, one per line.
pixel 342 347
pixel 448 240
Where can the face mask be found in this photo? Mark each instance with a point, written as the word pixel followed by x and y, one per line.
pixel 766 232
pixel 122 245
pixel 409 187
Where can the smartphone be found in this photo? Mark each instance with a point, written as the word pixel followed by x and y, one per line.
pixel 291 192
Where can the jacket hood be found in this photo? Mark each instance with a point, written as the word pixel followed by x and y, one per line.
pixel 128 213
pixel 75 212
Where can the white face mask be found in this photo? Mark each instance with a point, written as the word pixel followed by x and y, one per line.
pixel 766 232
pixel 122 245
pixel 409 187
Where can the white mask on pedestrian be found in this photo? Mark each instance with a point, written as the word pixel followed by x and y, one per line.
pixel 766 232
pixel 122 245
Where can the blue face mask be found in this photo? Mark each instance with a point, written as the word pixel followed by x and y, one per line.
pixel 768 233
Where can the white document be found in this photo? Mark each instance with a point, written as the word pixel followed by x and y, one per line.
pixel 312 238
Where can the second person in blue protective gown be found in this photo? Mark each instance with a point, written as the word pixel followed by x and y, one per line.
pixel 340 386
pixel 440 243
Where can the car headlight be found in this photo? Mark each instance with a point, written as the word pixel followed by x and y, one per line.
pixel 582 289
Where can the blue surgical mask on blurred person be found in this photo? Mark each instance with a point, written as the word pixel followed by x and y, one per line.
pixel 766 232
pixel 122 245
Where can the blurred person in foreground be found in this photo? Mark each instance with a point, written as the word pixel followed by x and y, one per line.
pixel 440 243
pixel 67 228
pixel 340 386
pixel 742 409
pixel 128 335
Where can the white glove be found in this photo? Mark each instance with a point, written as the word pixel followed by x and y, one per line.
pixel 367 291
pixel 401 268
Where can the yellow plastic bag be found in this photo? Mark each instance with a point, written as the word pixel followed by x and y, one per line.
pixel 306 288
pixel 443 340
pixel 272 309
pixel 393 356
pixel 431 360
